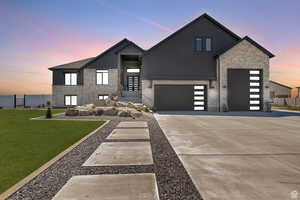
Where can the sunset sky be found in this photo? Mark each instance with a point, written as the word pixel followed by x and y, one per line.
pixel 38 34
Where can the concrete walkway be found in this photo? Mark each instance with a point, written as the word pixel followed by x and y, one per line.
pixel 238 157
pixel 117 186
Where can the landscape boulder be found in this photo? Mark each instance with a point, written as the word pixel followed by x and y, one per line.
pixel 110 102
pixel 99 111
pixel 84 112
pixel 110 111
pixel 121 104
pixel 135 114
pixel 72 112
pixel 100 103
pixel 124 113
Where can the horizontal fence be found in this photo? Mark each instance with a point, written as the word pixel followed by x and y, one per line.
pixel 26 101
pixel 286 101
pixel 35 101
pixel 7 101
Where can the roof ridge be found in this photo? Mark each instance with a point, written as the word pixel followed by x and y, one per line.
pixel 204 15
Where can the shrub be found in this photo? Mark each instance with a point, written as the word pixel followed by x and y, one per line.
pixel 49 113
pixel 146 109
pixel 48 103
pixel 0 107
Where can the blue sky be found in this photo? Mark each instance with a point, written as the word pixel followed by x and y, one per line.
pixel 35 35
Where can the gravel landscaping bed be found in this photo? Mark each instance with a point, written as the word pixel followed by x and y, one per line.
pixel 172 179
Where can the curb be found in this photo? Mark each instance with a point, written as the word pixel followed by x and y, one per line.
pixel 35 173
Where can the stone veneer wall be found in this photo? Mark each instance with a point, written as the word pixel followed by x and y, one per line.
pixel 148 91
pixel 243 56
pixel 89 91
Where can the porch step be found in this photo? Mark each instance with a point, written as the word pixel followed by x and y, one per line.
pixel 130 93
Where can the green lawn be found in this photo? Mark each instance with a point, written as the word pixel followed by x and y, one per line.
pixel 297 108
pixel 25 144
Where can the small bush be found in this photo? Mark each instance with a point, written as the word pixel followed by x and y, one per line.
pixel 146 109
pixel 0 107
pixel 49 113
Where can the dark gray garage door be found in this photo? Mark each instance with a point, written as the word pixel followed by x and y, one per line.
pixel 180 97
pixel 244 89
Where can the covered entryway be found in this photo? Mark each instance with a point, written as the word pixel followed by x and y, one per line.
pixel 180 97
pixel 244 90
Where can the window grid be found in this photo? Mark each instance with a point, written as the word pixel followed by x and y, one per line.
pixel 71 78
pixel 70 100
pixel 102 97
pixel 255 90
pixel 199 98
pixel 102 77
pixel 203 44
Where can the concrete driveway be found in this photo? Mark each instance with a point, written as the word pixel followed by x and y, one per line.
pixel 238 157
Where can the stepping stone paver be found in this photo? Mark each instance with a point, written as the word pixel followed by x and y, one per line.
pixel 121 153
pixel 136 124
pixel 110 187
pixel 129 134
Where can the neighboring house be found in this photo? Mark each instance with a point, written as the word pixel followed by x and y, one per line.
pixel 203 66
pixel 279 90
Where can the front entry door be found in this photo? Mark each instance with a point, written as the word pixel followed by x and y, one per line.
pixel 133 83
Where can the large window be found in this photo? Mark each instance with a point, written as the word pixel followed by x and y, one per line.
pixel 71 100
pixel 203 44
pixel 102 77
pixel 70 78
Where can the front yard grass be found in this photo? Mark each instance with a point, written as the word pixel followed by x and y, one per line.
pixel 25 144
pixel 297 108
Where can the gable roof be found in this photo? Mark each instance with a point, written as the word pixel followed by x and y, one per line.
pixel 73 65
pixel 280 84
pixel 206 16
pixel 84 62
pixel 249 40
pixel 124 41
pixel 130 43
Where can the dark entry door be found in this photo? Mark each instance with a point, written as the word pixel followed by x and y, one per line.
pixel 133 83
pixel 238 90
pixel 244 90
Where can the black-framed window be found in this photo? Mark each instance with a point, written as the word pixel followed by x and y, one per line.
pixel 102 96
pixel 71 100
pixel 198 44
pixel 208 44
pixel 71 78
pixel 203 44
pixel 102 77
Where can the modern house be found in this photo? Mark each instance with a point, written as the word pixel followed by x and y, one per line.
pixel 203 67
pixel 279 90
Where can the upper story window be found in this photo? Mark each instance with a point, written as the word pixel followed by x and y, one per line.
pixel 70 78
pixel 203 44
pixel 102 77
pixel 198 44
pixel 208 44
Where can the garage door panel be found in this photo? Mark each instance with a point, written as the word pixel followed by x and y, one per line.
pixel 244 89
pixel 174 97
